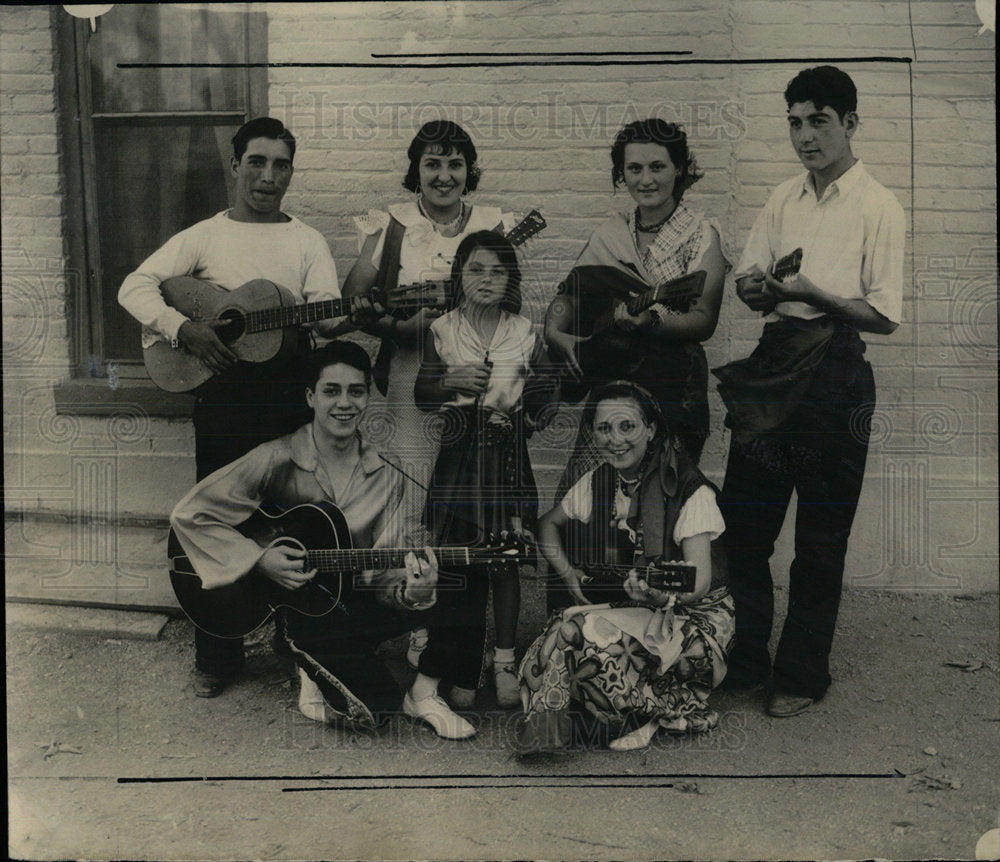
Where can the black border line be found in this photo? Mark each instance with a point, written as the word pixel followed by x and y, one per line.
pixel 592 777
pixel 752 61
pixel 534 54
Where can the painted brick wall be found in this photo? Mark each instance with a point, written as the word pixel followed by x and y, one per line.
pixel 928 513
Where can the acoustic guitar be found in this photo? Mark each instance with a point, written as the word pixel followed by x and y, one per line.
pixel 263 317
pixel 319 529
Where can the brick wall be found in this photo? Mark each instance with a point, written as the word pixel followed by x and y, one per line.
pixel 928 513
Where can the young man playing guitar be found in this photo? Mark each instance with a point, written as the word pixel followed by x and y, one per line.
pixel 800 407
pixel 243 405
pixel 327 461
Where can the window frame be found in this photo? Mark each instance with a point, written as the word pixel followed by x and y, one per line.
pixel 98 380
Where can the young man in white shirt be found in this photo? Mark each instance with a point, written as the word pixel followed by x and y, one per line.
pixel 800 407
pixel 243 405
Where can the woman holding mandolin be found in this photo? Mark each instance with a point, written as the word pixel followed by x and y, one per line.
pixel 644 641
pixel 652 247
pixel 413 243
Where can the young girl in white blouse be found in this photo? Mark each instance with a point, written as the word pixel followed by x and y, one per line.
pixel 475 366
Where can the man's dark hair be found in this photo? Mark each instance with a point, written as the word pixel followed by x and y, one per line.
pixel 656 131
pixel 824 86
pixel 336 353
pixel 441 137
pixel 505 253
pixel 262 127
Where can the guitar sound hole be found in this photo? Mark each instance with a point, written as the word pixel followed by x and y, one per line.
pixel 234 329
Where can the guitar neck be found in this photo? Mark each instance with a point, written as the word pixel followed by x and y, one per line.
pixel 361 559
pixel 686 287
pixel 282 316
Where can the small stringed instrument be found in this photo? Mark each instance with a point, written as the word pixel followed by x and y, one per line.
pixel 788 265
pixel 320 530
pixel 606 582
pixel 609 352
pixel 263 317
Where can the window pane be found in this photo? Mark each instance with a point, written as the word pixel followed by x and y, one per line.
pixel 161 33
pixel 152 181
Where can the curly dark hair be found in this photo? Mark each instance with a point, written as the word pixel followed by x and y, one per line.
pixel 505 253
pixel 824 86
pixel 441 137
pixel 656 131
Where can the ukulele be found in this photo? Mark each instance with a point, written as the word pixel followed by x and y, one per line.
pixel 319 529
pixel 263 317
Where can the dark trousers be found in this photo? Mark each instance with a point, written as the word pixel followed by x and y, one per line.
pixel 338 651
pixel 820 453
pixel 230 418
pixel 456 627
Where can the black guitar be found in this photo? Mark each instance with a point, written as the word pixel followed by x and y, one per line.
pixel 319 529
pixel 609 352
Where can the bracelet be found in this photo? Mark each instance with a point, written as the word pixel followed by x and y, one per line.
pixel 402 601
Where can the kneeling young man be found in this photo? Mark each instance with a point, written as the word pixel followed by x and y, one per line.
pixel 328 460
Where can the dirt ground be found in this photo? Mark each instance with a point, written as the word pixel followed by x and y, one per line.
pixel 110 756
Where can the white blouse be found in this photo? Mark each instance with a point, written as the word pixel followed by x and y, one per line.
pixel 700 514
pixel 425 255
pixel 510 350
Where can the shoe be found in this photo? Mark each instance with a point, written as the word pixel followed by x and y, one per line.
pixel 435 712
pixel 462 698
pixel 208 684
pixel 639 738
pixel 787 705
pixel 311 702
pixel 507 684
pixel 418 643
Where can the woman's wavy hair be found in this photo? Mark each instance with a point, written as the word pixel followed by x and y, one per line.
pixel 441 137
pixel 627 390
pixel 656 131
pixel 505 253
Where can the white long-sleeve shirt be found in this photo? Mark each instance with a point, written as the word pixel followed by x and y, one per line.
pixel 851 239
pixel 230 253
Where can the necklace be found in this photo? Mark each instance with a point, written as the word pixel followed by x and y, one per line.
pixel 650 228
pixel 443 226
pixel 627 486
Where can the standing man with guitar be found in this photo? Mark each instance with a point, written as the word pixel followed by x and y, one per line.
pixel 800 406
pixel 243 405
pixel 327 462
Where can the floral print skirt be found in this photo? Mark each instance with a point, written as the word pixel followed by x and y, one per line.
pixel 614 678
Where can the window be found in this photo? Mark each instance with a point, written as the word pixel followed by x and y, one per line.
pixel 149 154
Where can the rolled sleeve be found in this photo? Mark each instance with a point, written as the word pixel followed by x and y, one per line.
pixel 205 521
pixel 882 276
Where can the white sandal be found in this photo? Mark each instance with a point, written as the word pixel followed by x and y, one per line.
pixel 639 738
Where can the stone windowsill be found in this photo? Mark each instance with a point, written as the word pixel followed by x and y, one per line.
pixel 93 397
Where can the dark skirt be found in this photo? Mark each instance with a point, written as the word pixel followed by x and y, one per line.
pixel 481 480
